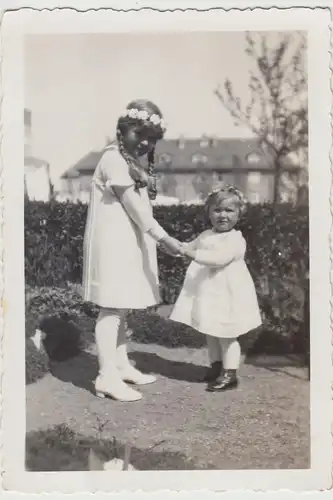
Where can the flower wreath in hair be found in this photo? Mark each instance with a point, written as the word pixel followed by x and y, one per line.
pixel 137 172
pixel 231 191
pixel 136 114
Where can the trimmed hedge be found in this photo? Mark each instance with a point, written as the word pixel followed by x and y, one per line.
pixel 277 254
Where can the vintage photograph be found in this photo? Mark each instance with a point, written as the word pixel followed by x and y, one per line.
pixel 177 336
pixel 173 309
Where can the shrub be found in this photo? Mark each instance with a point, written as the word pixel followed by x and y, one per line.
pixel 277 255
pixel 59 448
pixel 68 321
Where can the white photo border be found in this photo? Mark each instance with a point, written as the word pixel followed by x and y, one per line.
pixel 15 26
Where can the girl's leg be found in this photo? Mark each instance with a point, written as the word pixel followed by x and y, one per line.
pixel 231 361
pixel 109 381
pixel 127 371
pixel 215 359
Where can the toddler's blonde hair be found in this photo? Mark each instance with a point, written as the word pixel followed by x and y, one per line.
pixel 223 192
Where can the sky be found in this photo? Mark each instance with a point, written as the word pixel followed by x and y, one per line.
pixel 77 86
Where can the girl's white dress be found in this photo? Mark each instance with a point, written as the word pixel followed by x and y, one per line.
pixel 218 297
pixel 119 257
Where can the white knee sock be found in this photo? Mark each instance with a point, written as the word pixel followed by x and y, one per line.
pixel 106 335
pixel 231 353
pixel 214 349
pixel 122 356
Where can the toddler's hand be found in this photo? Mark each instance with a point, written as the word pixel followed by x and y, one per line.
pixel 171 245
pixel 187 252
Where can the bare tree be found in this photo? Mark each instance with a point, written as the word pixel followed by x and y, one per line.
pixel 277 111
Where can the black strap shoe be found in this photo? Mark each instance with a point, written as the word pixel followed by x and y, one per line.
pixel 225 382
pixel 213 372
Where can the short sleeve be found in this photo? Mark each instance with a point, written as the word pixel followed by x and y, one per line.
pixel 115 170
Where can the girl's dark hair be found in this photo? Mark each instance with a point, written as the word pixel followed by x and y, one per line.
pixel 152 189
pixel 124 124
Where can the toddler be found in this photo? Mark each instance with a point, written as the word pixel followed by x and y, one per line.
pixel 218 297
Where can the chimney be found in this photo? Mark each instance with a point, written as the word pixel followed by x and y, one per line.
pixel 181 142
pixel 204 141
pixel 214 142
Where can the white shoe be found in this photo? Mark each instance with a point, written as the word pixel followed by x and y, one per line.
pixel 116 389
pixel 133 376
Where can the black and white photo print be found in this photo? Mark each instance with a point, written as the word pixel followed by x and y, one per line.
pixel 166 220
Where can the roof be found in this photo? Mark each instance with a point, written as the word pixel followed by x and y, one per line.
pixel 86 165
pixel 193 154
pixel 209 154
pixel 34 162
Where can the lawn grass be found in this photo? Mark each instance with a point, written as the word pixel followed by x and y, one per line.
pixel 262 425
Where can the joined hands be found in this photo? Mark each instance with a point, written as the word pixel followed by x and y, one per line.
pixel 171 246
pixel 174 247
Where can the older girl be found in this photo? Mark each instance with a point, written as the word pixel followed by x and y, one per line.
pixel 120 264
pixel 218 297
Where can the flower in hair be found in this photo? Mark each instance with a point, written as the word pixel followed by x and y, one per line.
pixel 132 113
pixel 155 119
pixel 143 115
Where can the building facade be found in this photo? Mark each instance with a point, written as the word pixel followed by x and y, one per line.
pixel 36 171
pixel 188 169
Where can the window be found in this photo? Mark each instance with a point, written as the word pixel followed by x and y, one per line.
pixel 164 159
pixel 227 160
pixel 227 178
pixel 254 179
pixel 204 143
pixel 199 159
pixel 253 158
pixel 254 197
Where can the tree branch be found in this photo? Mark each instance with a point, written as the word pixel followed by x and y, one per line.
pixel 277 112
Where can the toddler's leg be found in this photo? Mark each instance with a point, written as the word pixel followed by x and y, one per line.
pixel 231 361
pixel 109 381
pixel 127 371
pixel 214 349
pixel 231 354
pixel 215 359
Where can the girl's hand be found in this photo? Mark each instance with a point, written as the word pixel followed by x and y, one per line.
pixel 188 252
pixel 171 245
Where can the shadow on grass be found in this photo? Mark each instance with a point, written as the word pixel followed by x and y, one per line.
pixel 37 362
pixel 280 365
pixel 176 370
pixel 61 449
pixel 189 372
pixel 147 328
pixel 80 371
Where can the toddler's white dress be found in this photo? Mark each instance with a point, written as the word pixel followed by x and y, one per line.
pixel 119 257
pixel 218 297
